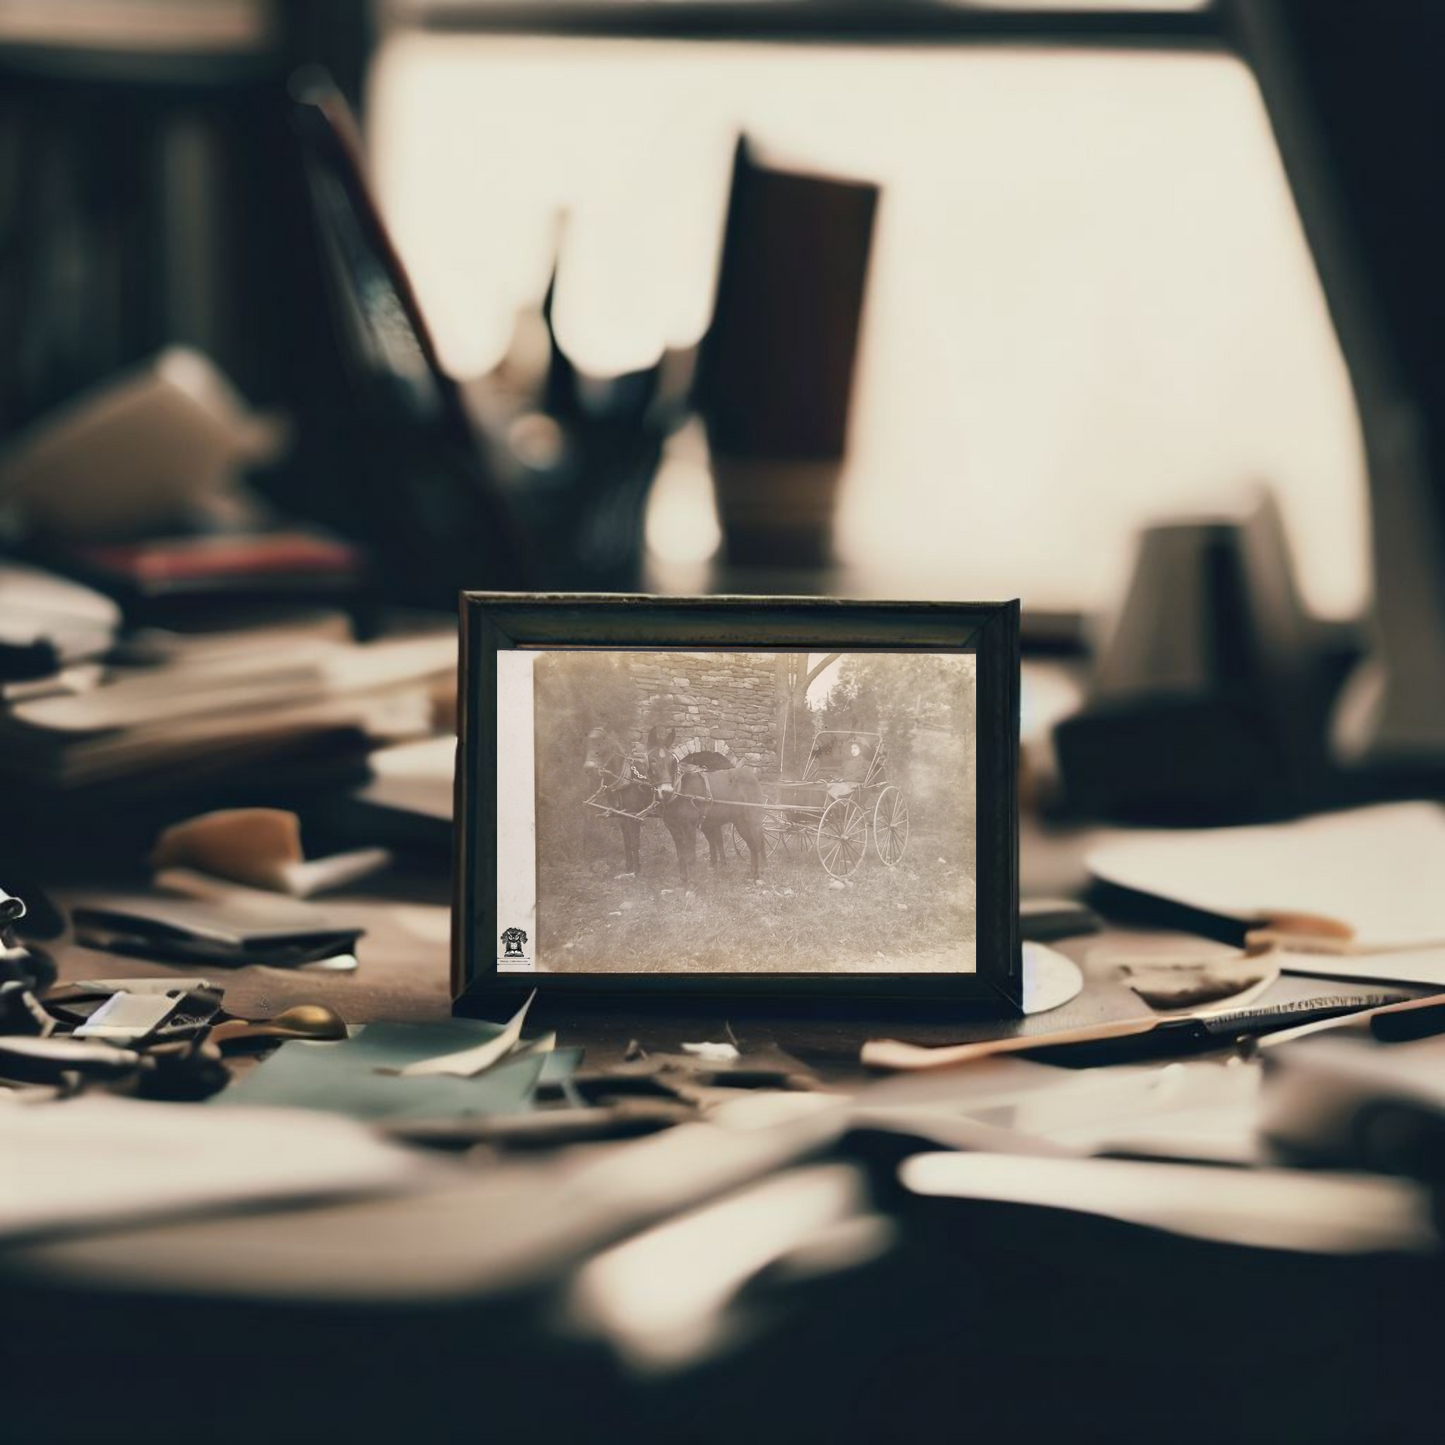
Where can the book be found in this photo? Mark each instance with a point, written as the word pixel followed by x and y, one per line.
pixel 223 707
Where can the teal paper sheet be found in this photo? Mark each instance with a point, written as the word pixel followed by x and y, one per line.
pixel 342 1077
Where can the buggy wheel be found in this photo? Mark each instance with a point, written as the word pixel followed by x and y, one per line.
pixel 776 834
pixel 740 847
pixel 842 837
pixel 890 826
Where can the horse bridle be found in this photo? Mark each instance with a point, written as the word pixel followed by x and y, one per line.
pixel 630 774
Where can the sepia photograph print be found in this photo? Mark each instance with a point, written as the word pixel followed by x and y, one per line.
pixel 742 812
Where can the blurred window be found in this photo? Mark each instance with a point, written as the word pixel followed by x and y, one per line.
pixel 1090 302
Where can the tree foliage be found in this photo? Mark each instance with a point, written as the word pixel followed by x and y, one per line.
pixel 572 693
pixel 896 694
pixel 795 724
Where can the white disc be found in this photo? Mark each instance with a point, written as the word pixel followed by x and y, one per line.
pixel 1050 979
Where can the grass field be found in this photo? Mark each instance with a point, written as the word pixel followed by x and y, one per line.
pixel 917 917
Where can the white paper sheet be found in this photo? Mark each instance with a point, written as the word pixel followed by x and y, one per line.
pixel 468 1063
pixel 1266 1208
pixel 1377 870
pixel 97 1162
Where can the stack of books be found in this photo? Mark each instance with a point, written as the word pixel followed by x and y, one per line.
pixel 162 723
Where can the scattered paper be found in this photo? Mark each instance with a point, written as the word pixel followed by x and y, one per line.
pixel 127 1017
pixel 714 1053
pixel 661 1297
pixel 542 1044
pixel 1369 873
pixel 313 671
pixel 337 963
pixel 1191 1109
pixel 1265 1208
pixel 336 870
pixel 98 1162
pixel 364 1076
pixel 468 1063
pixel 219 924
pixel 213 910
pixel 897 1055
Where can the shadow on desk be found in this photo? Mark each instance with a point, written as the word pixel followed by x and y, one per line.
pixel 985 1322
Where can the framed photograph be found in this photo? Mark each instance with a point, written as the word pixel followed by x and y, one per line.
pixel 737 795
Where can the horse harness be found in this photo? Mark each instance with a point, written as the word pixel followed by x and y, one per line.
pixel 703 807
pixel 629 774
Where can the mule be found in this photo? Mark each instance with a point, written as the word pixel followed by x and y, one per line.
pixel 623 785
pixel 622 779
pixel 708 761
pixel 701 798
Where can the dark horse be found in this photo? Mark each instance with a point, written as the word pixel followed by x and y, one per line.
pixel 621 777
pixel 623 785
pixel 699 797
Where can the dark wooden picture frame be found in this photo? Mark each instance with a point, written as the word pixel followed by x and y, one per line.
pixel 496 622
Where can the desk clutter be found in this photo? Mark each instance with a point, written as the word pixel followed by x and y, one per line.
pixel 828 1134
pixel 168 703
pixel 1275 1082
pixel 648 1195
pixel 113 725
pixel 1234 1073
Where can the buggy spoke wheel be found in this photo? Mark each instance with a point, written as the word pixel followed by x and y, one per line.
pixel 775 834
pixel 842 837
pixel 740 846
pixel 890 826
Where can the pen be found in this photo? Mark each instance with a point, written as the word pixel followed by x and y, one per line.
pixel 1411 1018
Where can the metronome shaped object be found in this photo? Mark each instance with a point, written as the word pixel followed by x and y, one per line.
pixel 1206 705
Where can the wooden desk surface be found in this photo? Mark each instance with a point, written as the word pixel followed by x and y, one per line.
pixel 404 976
pixel 403 973
pixel 1026 1325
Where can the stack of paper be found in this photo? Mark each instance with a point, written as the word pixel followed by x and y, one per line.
pixel 36 609
pixel 222 706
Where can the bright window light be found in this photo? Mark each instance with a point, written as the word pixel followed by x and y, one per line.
pixel 1090 303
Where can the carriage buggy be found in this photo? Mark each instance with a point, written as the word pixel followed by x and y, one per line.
pixel 842 797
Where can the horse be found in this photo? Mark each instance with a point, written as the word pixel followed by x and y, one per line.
pixel 707 761
pixel 623 785
pixel 699 797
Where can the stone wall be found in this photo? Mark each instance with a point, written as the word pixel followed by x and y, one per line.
pixel 718 698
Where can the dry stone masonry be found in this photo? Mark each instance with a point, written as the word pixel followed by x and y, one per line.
pixel 723 698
